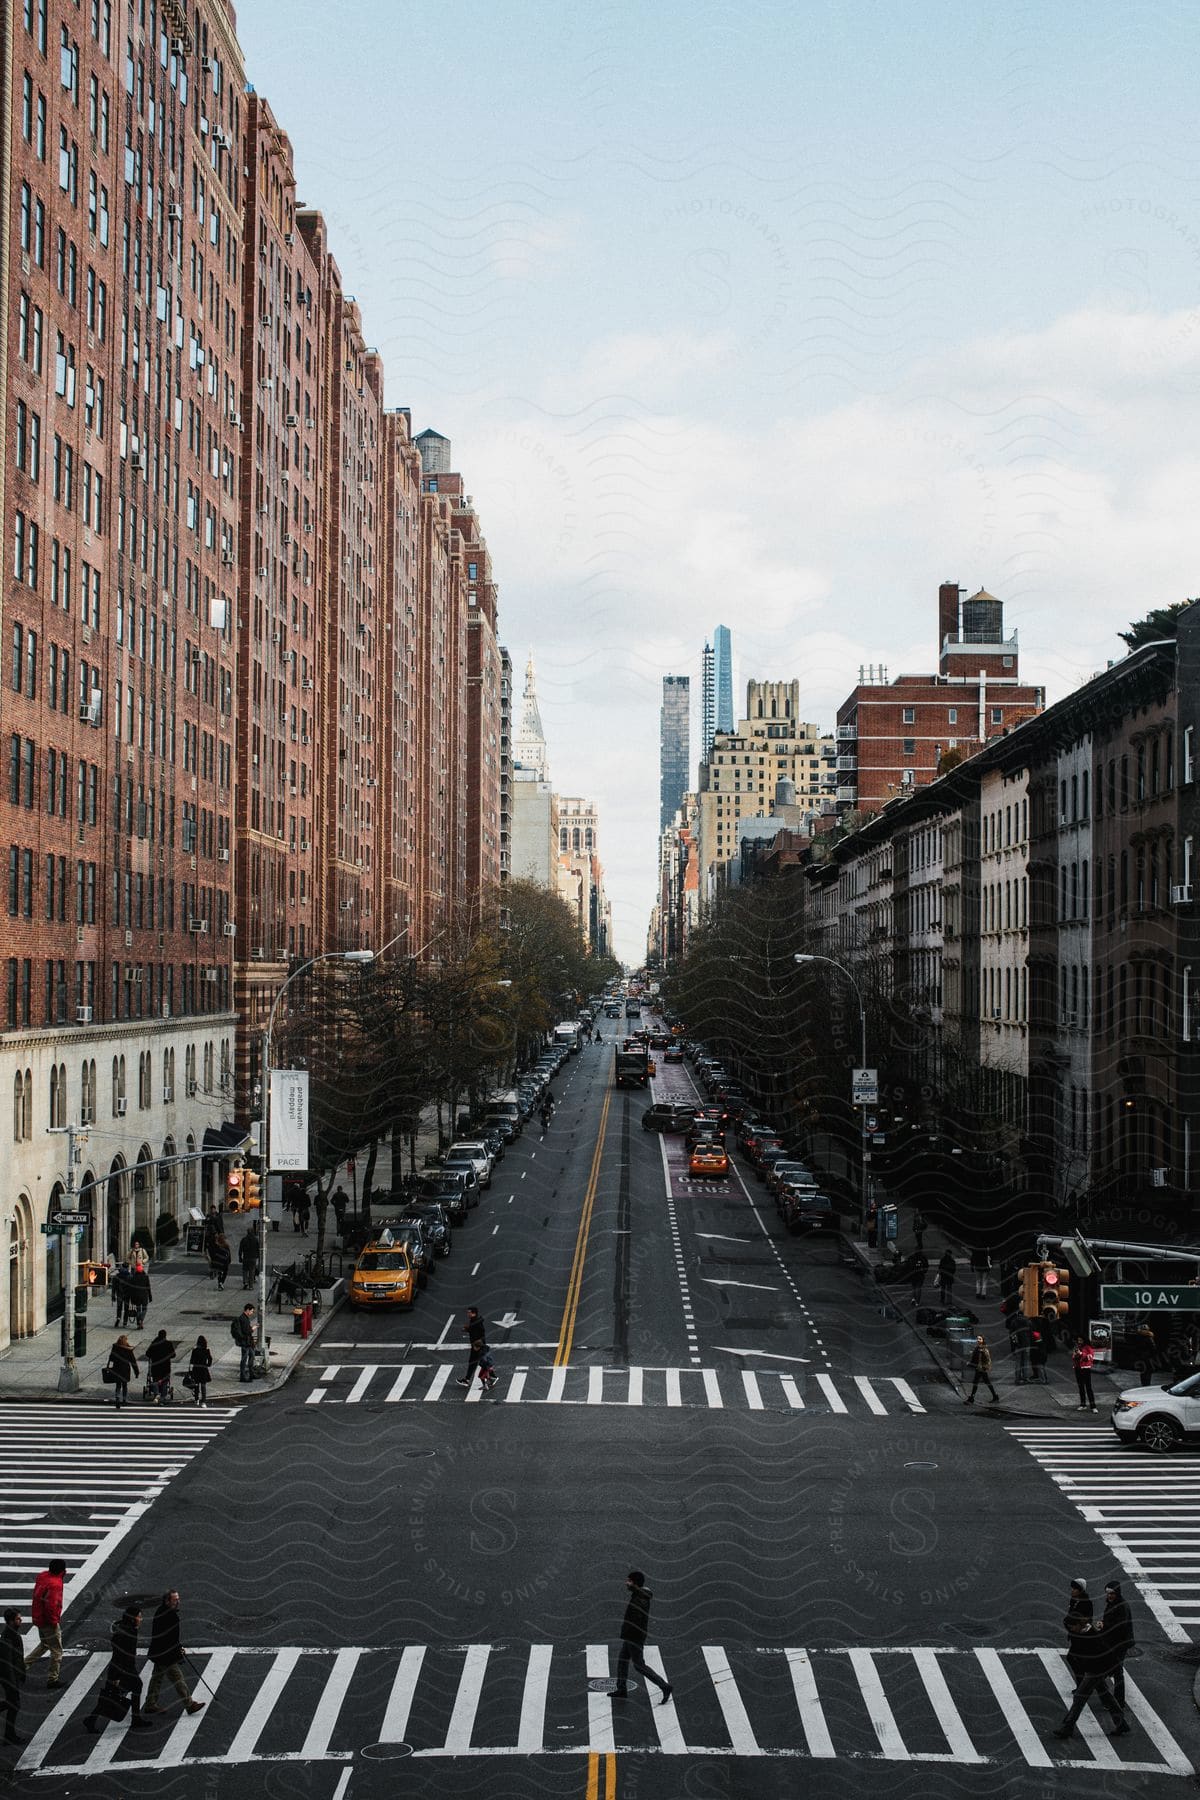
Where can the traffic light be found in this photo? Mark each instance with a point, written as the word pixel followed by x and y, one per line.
pixel 1056 1292
pixel 235 1188
pixel 1031 1297
pixel 251 1192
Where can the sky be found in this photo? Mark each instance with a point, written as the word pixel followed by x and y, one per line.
pixel 774 314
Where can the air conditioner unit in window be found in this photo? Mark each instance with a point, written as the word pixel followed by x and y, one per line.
pixel 256 955
pixel 129 940
pixel 995 1012
pixel 1181 893
pixel 120 1108
pixel 174 210
pixel 227 560
pixel 291 421
pixel 231 929
pixel 222 855
pixel 289 237
pixel 83 1015
pixel 210 974
pixel 178 46
pixel 1158 1178
pixel 200 926
pixel 306 684
pixel 167 1096
pixel 191 1086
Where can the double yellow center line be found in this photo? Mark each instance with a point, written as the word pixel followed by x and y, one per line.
pixel 566 1335
pixel 594 1790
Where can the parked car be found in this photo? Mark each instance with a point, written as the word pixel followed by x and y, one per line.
pixel 435 1222
pixel 476 1153
pixel 409 1232
pixel 1159 1418
pixel 664 1115
pixel 787 1171
pixel 673 1055
pixel 495 1142
pixel 809 1211
pixel 457 1188
pixel 506 1129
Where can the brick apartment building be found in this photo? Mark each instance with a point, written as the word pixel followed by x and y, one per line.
pixel 894 736
pixel 236 632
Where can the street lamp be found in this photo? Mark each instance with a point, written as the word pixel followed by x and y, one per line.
pixel 800 956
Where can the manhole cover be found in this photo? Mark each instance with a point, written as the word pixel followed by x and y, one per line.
pixel 385 1752
pixel 606 1684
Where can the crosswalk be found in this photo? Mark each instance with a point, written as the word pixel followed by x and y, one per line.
pixel 1146 1510
pixel 76 1478
pixel 921 1704
pixel 579 1384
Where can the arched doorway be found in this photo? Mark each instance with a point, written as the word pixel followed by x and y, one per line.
pixel 20 1269
pixel 144 1191
pixel 116 1234
pixel 168 1183
pixel 55 1298
pixel 189 1175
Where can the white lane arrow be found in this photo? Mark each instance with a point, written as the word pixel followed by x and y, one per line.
pixel 759 1286
pixel 721 1237
pixel 507 1322
pixel 775 1355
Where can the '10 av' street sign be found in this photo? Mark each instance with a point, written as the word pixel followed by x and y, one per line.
pixel 1131 1297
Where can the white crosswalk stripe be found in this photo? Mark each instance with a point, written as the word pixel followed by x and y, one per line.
pixel 584 1384
pixel 1146 1510
pixel 930 1703
pixel 75 1478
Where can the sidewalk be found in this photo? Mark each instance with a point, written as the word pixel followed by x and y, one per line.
pixel 1027 1399
pixel 186 1303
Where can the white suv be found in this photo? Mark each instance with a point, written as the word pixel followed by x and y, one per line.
pixel 477 1154
pixel 1159 1418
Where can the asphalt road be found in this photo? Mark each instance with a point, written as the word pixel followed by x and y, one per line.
pixel 396 1587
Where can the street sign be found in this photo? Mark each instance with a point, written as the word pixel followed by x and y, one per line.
pixel 72 1218
pixel 1135 1297
pixel 864 1084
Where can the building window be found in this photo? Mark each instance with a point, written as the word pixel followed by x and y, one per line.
pixel 952 715
pixel 909 716
pixel 997 715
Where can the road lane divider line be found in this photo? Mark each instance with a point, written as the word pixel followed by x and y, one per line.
pixel 566 1336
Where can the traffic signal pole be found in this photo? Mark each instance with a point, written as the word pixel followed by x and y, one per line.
pixel 68 1375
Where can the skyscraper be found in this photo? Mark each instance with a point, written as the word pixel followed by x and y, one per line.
pixel 674 744
pixel 723 677
pixel 708 703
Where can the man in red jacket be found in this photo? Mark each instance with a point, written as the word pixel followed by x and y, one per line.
pixel 46 1614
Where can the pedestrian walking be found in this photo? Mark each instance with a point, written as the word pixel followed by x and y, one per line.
pixel 241 1330
pixel 919 1228
pixel 1038 1351
pixel 872 1226
pixel 1147 1348
pixel 121 1369
pixel 918 1268
pixel 1083 1359
pixel 475 1333
pixel 46 1615
pixel 12 1672
pixel 1117 1626
pixel 303 1205
pixel 339 1201
pixel 199 1370
pixel 220 1256
pixel 122 1311
pixel 487 1370
pixel 248 1253
pixel 167 1655
pixel 946 1271
pixel 981 1262
pixel 547 1115
pixel 1094 1661
pixel 138 1295
pixel 635 1628
pixel 121 1677
pixel 158 1362
pixel 1079 1612
pixel 981 1363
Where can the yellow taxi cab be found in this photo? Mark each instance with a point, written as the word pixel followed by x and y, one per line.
pixel 383 1275
pixel 708 1159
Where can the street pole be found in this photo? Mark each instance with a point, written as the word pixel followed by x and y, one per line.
pixel 68 1375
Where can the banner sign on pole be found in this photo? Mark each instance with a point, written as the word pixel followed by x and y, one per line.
pixel 289 1120
pixel 865 1087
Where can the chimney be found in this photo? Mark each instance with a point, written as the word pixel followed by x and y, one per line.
pixel 948 595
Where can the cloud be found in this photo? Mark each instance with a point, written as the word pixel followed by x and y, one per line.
pixel 1046 465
